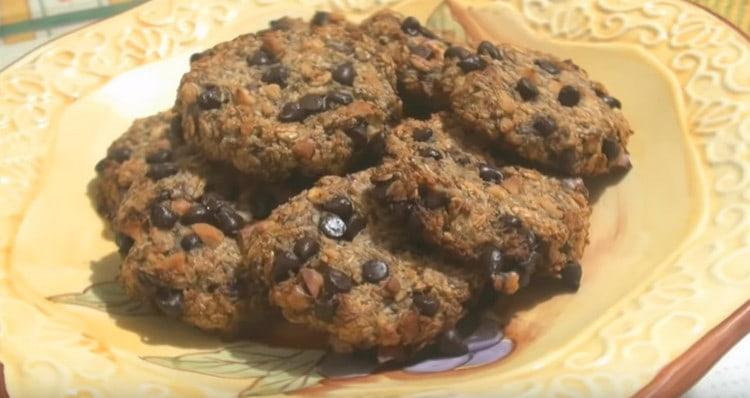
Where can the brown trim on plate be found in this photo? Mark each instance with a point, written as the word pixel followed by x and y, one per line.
pixel 3 390
pixel 727 22
pixel 682 373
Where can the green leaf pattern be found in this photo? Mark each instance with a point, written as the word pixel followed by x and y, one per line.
pixel 106 296
pixel 277 369
pixel 441 21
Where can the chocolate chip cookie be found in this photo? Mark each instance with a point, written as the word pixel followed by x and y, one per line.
pixel 334 262
pixel 298 98
pixel 508 222
pixel 542 109
pixel 147 147
pixel 417 52
pixel 181 253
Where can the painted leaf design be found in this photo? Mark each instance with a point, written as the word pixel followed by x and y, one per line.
pixel 441 20
pixel 291 379
pixel 242 361
pixel 106 296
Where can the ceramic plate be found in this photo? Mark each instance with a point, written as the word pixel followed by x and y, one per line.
pixel 667 270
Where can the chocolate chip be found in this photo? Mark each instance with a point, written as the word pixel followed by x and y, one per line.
pixel 196 56
pixel 160 156
pixel 547 66
pixel 169 301
pixel 374 271
pixel 162 216
pixel 471 63
pixel 312 103
pixel 305 247
pixel 450 343
pixel 511 221
pixel 261 57
pixel 320 18
pixel 326 310
pixel 421 51
pixel 569 96
pixel 292 112
pixel 227 220
pixel 610 148
pixel 211 98
pixel 376 147
pixel 282 23
pixel 422 134
pixel 332 226
pixel 124 243
pixel 567 159
pixel 358 133
pixel 276 74
pixel 426 304
pixel 489 49
pixel 612 101
pixel 161 170
pixel 526 89
pixel 338 281
pixel 411 26
pixel 344 73
pixel 491 260
pixel 340 205
pixel 456 52
pixel 431 153
pixel 121 154
pixel 434 200
pixel 101 165
pixel 490 174
pixel 571 275
pixel 356 224
pixel 190 242
pixel 336 98
pixel 285 264
pixel 544 125
pixel 212 202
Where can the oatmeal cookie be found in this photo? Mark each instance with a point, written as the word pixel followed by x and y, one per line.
pixel 148 142
pixel 298 98
pixel 545 110
pixel 509 222
pixel 334 262
pixel 181 252
pixel 417 52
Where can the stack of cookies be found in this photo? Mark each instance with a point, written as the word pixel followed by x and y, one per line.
pixel 371 181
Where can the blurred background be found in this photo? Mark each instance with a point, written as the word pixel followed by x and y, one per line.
pixel 25 24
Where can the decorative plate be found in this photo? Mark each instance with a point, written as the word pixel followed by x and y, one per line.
pixel 667 271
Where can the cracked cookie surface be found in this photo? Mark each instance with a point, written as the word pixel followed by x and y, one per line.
pixel 507 221
pixel 298 98
pixel 539 108
pixel 334 262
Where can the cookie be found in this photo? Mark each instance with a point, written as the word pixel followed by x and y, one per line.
pixel 145 148
pixel 538 107
pixel 508 222
pixel 417 52
pixel 182 255
pixel 334 262
pixel 298 98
